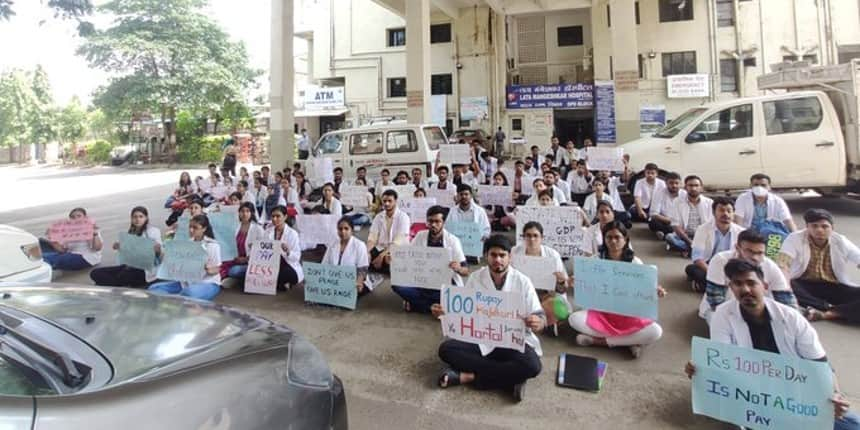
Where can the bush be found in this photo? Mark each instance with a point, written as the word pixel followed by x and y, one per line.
pixel 99 152
pixel 205 149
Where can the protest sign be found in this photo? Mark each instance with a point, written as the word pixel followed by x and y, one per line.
pixel 759 389
pixel 420 266
pixel 353 195
pixel 184 260
pixel 224 225
pixel 317 229
pixel 562 227
pixel 263 267
pixel 136 251
pixel 330 285
pixel 322 170
pixel 181 232
pixel 455 154
pixel 615 286
pixel 445 198
pixel 71 230
pixel 496 195
pixel 528 183
pixel 487 317
pixel 407 190
pixel 229 209
pixel 470 234
pixel 605 158
pixel 219 191
pixel 541 270
pixel 416 207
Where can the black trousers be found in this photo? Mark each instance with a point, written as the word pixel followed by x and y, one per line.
pixel 287 275
pixel 502 368
pixel 826 296
pixel 386 269
pixel 118 276
pixel 579 198
pixel 656 225
pixel 696 273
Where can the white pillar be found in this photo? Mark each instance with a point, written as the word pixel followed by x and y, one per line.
pixel 281 77
pixel 418 108
pixel 623 47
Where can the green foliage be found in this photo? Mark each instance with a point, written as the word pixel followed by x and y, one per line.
pixel 73 121
pixel 27 112
pixel 65 9
pixel 202 149
pixel 99 151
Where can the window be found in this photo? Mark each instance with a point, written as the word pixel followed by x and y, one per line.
pixel 728 76
pixel 465 123
pixel 735 122
pixel 792 116
pixel 440 33
pixel 811 58
pixel 676 10
pixel 725 13
pixel 608 17
pixel 679 63
pixel 636 11
pixel 396 37
pixel 400 141
pixel 397 87
pixel 641 66
pixel 440 84
pixel 330 144
pixel 516 124
pixel 611 68
pixel 365 143
pixel 435 137
pixel 570 36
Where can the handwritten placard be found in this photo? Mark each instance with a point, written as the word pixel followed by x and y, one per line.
pixel 225 225
pixel 455 154
pixel 470 234
pixel 317 229
pixel 407 190
pixel 263 267
pixel 416 207
pixel 420 266
pixel 182 224
pixel 71 230
pixel 184 260
pixel 353 195
pixel 496 195
pixel 759 389
pixel 136 251
pixel 605 158
pixel 615 286
pixel 445 198
pixel 330 285
pixel 219 191
pixel 562 227
pixel 491 318
pixel 541 270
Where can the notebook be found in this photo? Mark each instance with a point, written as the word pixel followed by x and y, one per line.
pixel 582 373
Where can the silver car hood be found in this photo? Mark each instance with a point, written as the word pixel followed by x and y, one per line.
pixel 145 335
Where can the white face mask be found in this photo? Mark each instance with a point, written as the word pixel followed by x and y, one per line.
pixel 759 191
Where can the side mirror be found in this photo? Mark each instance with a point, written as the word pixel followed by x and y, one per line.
pixel 695 137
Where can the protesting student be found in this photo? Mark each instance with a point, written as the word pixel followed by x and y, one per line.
pixel 467 210
pixel 644 192
pixel 549 178
pixel 200 231
pixel 125 276
pixel 580 182
pixel 390 227
pixel 72 256
pixel 441 182
pixel 760 206
pixel 194 208
pixel 687 215
pixel 609 329
pixel 185 190
pixel 329 203
pixel 485 367
pixel 758 322
pixel 289 195
pixel 416 226
pixel 552 297
pixel 360 215
pixel 249 231
pixel 540 188
pixel 349 251
pixel 599 186
pixel 594 233
pixel 501 217
pixel 663 204
pixel 717 235
pixel 290 272
pixel 416 299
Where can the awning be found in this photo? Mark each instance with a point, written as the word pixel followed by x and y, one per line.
pixel 313 113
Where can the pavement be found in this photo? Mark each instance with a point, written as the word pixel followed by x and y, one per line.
pixel 387 358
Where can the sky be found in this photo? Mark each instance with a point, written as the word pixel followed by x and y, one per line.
pixel 24 42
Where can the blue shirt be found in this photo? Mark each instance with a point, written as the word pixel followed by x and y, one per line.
pixel 722 242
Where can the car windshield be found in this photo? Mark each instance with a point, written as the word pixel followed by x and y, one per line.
pixel 435 137
pixel 674 127
pixel 18 380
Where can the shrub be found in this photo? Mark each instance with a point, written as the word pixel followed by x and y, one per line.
pixel 99 152
pixel 201 149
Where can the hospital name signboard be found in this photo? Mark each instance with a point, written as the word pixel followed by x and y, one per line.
pixel 550 96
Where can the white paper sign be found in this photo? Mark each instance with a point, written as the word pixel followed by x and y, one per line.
pixel 353 195
pixel 562 227
pixel 456 153
pixel 263 267
pixel 322 171
pixel 496 195
pixel 316 229
pixel 416 207
pixel 605 158
pixel 420 266
pixel 484 316
pixel 687 86
pixel 541 270
pixel 403 191
pixel 445 198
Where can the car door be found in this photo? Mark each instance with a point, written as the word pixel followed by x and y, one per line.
pixel 724 148
pixel 800 147
pixel 365 149
pixel 331 146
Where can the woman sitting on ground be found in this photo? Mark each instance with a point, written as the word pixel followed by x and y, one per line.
pixel 249 231
pixel 127 276
pixel 76 255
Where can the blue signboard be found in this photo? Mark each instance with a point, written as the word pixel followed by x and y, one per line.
pixel 604 111
pixel 564 96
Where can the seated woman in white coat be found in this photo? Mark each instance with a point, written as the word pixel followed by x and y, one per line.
pixel 329 203
pixel 290 272
pixel 349 251
pixel 609 329
pixel 248 232
pixel 533 246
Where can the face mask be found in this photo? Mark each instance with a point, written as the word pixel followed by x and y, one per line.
pixel 759 191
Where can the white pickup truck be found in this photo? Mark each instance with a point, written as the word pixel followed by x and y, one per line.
pixel 806 136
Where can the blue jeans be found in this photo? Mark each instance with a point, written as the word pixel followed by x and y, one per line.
pixel 197 290
pixel 359 219
pixel 419 299
pixel 237 271
pixel 849 421
pixel 62 260
pixel 677 243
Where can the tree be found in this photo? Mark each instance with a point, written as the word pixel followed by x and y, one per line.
pixel 43 116
pixel 66 9
pixel 72 122
pixel 17 102
pixel 168 57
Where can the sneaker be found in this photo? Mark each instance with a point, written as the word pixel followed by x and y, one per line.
pixel 636 351
pixel 375 280
pixel 661 235
pixel 584 340
pixel 519 391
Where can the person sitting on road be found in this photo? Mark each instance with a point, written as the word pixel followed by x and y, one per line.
pixel 73 256
pixel 485 367
pixel 467 210
pixel 248 232
pixel 329 203
pixel 290 272
pixel 549 295
pixel 687 215
pixel 389 227
pixel 758 322
pixel 759 205
pixel 594 233
pixel 200 231
pixel 644 192
pixel 349 251
pixel 579 182
pixel 549 178
pixel 195 207
pixel 186 189
pixel 127 276
pixel 416 226
pixel 599 185
pixel 717 235
pixel 502 218
pixel 540 188
pixel 662 205
pixel 816 262
pixel 609 329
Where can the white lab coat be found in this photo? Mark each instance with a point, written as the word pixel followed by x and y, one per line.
pixel 681 211
pixel 663 203
pixel 255 233
pixel 291 238
pixel 590 205
pixel 773 277
pixel 646 192
pixel 398 234
pixel 777 209
pixel 706 235
pixel 545 251
pixel 355 254
pixel 843 254
pixel 449 242
pixel 474 214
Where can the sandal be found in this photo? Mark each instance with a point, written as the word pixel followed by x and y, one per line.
pixel 449 378
pixel 813 314
pixel 407 307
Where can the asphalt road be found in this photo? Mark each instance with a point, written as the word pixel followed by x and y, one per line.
pixel 387 358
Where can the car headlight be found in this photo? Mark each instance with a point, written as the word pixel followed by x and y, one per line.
pixel 307 366
pixel 32 251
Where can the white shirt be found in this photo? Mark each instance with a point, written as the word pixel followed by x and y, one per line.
pixel 777 209
pixel 398 234
pixel 706 236
pixel 153 233
pixel 682 208
pixel 474 214
pixel 335 208
pixel 558 194
pixel 82 248
pixel 564 187
pixel 590 205
pixel 354 254
pixel 255 233
pixel 646 191
pixel 793 334
pixel 535 201
pixel 303 143
pixel 449 242
pixel 249 197
pixel 545 251
pixel 843 254
pixel 663 202
pixel 292 198
pixel 291 238
pixel 579 184
pixel 773 277
pixel 515 282
pixel 557 155
pixel 593 239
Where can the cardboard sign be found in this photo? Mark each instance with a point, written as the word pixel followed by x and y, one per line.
pixel 562 227
pixel 322 170
pixel 486 317
pixel 317 229
pixel 416 207
pixel 445 198
pixel 496 195
pixel 330 285
pixel 263 267
pixel 136 251
pixel 403 191
pixel 225 225
pixel 605 158
pixel 470 234
pixel 219 192
pixel 457 153
pixel 618 287
pixel 353 195
pixel 181 232
pixel 420 266
pixel 541 270
pixel 761 390
pixel 184 260
pixel 71 230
